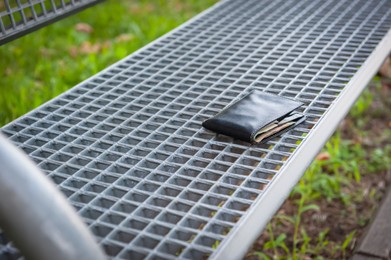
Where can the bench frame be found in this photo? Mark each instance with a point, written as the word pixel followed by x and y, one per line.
pixel 240 239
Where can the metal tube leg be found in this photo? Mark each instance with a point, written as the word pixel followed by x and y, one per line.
pixel 35 215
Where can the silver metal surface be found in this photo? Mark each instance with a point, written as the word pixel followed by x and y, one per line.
pixel 36 216
pixel 19 17
pixel 127 147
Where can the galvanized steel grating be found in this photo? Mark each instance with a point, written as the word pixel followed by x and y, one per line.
pixel 18 17
pixel 127 147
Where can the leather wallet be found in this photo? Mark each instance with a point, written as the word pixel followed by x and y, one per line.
pixel 257 117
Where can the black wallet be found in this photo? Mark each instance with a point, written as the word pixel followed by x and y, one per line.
pixel 257 117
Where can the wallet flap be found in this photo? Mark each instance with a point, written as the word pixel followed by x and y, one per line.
pixel 244 118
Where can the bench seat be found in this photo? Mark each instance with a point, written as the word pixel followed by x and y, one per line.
pixel 127 148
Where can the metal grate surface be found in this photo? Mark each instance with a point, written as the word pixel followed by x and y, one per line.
pixel 18 17
pixel 127 147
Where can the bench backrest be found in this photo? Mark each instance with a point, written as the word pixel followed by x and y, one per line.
pixel 18 18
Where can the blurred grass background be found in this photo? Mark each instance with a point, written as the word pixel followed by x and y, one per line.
pixel 341 184
pixel 45 63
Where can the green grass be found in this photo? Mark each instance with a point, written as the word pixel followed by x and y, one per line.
pixel 45 63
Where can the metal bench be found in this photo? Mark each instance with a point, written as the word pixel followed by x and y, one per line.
pixel 127 147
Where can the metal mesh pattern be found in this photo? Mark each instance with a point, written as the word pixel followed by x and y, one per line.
pixel 127 146
pixel 17 17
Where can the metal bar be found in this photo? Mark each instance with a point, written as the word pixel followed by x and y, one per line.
pixel 36 216
pixel 23 26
